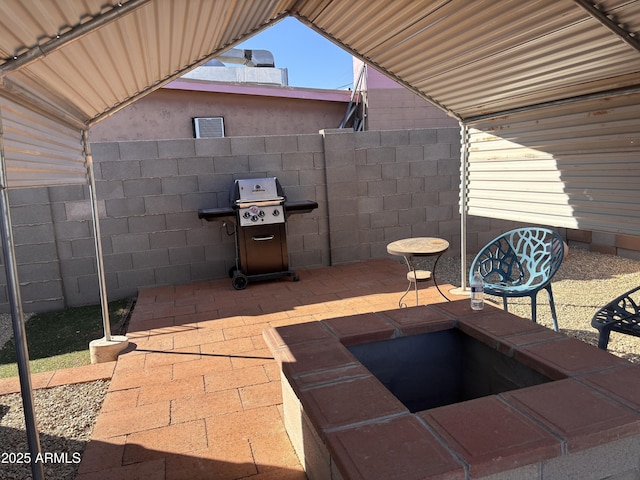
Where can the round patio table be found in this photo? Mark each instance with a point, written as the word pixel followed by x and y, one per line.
pixel 408 248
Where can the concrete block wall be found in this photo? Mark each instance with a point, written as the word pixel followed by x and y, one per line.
pixel 387 185
pixel 37 252
pixel 399 108
pixel 372 188
pixel 151 192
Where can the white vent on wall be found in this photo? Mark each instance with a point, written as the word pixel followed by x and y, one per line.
pixel 209 127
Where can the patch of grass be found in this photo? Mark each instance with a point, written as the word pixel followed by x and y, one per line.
pixel 61 339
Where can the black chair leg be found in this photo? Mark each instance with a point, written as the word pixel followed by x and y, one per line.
pixel 534 309
pixel 603 338
pixel 553 308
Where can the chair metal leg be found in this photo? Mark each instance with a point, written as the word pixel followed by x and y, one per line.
pixel 504 303
pixel 603 338
pixel 534 308
pixel 553 308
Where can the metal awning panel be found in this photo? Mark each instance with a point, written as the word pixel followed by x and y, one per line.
pixel 572 165
pixel 482 57
pixel 39 151
pixel 469 58
pixel 565 220
pixel 120 59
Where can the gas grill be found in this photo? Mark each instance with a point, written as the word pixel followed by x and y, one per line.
pixel 259 211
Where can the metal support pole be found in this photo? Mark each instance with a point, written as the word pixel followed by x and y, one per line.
pixel 464 181
pixel 17 318
pixel 97 238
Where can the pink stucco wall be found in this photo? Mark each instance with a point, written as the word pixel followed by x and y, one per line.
pixel 376 80
pixel 167 113
pixel 265 110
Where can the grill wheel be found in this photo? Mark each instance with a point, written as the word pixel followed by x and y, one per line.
pixel 239 281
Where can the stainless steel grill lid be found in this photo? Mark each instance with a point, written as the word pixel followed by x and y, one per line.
pixel 256 190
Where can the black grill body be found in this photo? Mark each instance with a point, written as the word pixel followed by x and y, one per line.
pixel 259 210
pixel 263 249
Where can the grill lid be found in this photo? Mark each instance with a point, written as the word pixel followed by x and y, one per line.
pixel 251 190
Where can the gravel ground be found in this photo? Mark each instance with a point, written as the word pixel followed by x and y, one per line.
pixel 585 281
pixel 6 328
pixel 65 417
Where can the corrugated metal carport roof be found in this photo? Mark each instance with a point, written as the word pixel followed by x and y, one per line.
pixel 82 60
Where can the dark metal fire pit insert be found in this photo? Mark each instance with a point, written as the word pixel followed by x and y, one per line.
pixel 441 368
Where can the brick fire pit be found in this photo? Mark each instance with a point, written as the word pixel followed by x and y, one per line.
pixel 580 418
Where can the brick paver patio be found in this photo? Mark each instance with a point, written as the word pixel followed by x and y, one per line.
pixel 198 393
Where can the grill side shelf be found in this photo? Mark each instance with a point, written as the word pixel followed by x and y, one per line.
pixel 216 214
pixel 299 206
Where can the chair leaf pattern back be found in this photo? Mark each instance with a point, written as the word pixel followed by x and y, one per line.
pixel 524 257
pixel 499 263
pixel 624 309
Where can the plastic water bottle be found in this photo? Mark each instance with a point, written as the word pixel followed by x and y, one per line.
pixel 477 292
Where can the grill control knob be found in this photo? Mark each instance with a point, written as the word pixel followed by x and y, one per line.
pixel 246 214
pixel 261 214
pixel 254 218
pixel 276 212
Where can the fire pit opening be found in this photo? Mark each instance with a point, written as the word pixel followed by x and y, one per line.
pixel 441 368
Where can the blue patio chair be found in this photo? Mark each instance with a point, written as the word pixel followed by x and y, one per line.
pixel 519 263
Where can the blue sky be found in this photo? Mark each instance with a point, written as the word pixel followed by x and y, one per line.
pixel 310 59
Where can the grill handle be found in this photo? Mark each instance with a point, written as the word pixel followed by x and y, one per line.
pixel 263 238
pixel 260 203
